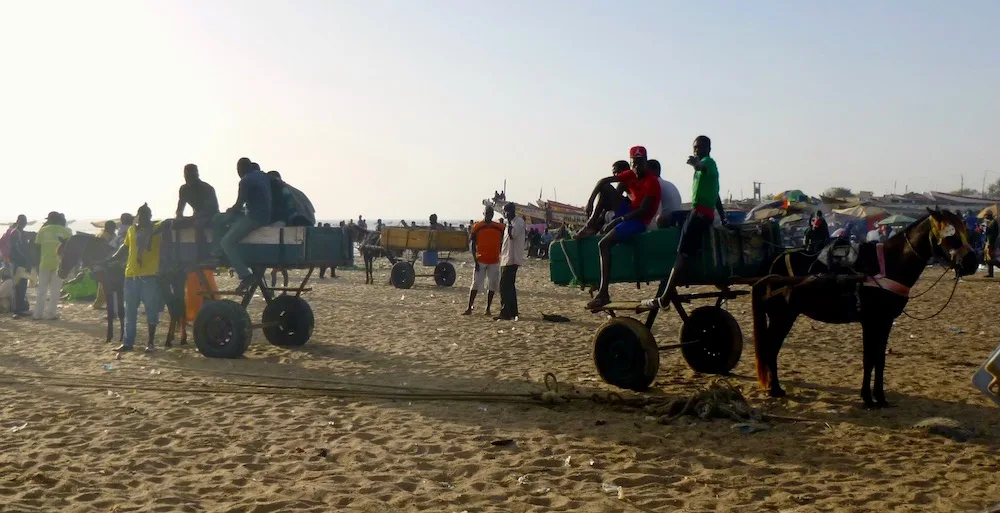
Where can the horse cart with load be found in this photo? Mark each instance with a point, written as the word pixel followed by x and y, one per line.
pixel 396 240
pixel 625 351
pixel 222 328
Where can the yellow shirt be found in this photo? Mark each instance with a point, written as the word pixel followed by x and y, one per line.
pixel 150 259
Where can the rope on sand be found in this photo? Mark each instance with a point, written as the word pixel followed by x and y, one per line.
pixel 719 399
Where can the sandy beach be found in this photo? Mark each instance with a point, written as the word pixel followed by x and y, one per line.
pixel 174 431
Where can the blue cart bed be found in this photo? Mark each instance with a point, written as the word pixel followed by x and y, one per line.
pixel 296 247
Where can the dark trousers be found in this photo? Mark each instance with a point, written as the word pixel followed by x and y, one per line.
pixel 508 291
pixel 21 297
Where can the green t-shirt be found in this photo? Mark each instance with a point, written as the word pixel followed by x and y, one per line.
pixel 706 184
pixel 49 238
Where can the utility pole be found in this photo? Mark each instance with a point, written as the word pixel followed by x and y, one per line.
pixel 756 191
pixel 982 192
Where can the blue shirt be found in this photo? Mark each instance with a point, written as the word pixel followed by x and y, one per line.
pixel 255 195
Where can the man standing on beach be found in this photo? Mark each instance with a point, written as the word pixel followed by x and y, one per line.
pixel 511 257
pixel 487 238
pixel 50 236
pixel 142 252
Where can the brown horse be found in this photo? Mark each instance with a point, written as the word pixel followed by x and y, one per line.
pixel 86 250
pixel 875 298
pixel 370 247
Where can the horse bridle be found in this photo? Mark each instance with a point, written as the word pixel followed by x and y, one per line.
pixel 954 254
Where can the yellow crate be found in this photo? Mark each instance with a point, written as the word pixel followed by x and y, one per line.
pixel 424 240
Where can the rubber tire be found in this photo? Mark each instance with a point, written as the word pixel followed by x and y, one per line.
pixel 296 321
pixel 723 337
pixel 236 326
pixel 625 354
pixel 444 274
pixel 402 275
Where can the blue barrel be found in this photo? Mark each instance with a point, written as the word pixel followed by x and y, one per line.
pixel 430 258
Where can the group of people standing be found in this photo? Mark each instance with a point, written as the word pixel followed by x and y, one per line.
pixel 498 250
pixel 263 199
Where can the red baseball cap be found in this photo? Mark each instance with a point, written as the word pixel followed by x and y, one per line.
pixel 637 152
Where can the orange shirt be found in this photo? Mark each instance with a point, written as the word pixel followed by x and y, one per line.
pixel 487 236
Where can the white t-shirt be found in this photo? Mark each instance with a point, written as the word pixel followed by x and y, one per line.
pixel 512 251
pixel 873 236
pixel 670 198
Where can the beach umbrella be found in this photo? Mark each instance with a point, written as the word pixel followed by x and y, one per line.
pixel 791 219
pixel 897 220
pixel 862 211
pixel 793 196
pixel 993 209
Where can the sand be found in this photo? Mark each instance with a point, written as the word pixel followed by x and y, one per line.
pixel 94 436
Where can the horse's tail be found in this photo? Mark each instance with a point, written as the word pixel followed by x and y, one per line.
pixel 759 335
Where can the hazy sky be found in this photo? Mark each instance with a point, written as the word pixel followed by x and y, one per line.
pixel 407 107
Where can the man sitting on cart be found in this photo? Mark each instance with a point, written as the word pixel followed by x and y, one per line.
pixel 705 201
pixel 632 213
pixel 230 228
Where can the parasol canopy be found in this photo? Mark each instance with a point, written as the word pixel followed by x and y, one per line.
pixel 794 196
pixel 777 208
pixel 862 211
pixel 993 209
pixel 897 220
pixel 791 219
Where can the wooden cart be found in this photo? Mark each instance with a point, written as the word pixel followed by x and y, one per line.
pixel 223 328
pixel 398 240
pixel 625 351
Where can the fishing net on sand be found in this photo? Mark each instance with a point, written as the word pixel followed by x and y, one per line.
pixel 720 399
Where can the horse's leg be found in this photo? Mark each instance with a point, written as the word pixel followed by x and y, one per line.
pixel 875 337
pixel 781 319
pixel 181 290
pixel 773 319
pixel 109 307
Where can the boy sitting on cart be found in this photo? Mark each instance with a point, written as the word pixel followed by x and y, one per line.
pixel 704 201
pixel 632 213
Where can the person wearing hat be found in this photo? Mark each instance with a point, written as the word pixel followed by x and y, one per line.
pixel 49 238
pixel 630 214
pixel 705 200
pixel 991 233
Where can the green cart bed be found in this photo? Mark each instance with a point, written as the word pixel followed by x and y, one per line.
pixel 729 252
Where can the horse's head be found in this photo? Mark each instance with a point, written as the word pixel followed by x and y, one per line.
pixel 81 249
pixel 950 241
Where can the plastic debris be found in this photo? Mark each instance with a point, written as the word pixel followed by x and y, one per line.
pixel 108 366
pixel 566 462
pixel 17 427
pixel 155 372
pixel 523 480
pixel 613 488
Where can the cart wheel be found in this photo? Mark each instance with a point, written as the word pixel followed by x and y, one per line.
pixel 294 318
pixel 401 275
pixel 721 340
pixel 625 354
pixel 444 274
pixel 222 329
